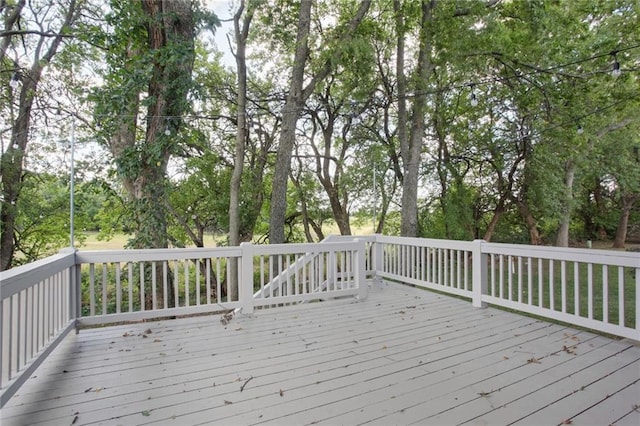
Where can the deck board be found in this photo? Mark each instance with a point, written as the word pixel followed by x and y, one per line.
pixel 402 356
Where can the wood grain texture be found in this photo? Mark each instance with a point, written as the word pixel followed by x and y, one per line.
pixel 402 356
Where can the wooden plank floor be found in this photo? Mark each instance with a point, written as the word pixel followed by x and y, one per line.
pixel 403 356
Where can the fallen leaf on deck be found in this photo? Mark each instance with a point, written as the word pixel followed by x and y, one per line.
pixel 281 392
pixel 146 413
pixel 148 331
pixel 239 328
pixel 227 402
pixel 126 334
pixel 567 422
pixel 75 419
pixel 533 361
pixel 156 340
pixel 144 336
pixel 87 390
pixel 505 357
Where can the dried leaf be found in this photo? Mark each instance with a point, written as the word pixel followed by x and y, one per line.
pixel 281 392
pixel 157 340
pixel 228 402
pixel 87 390
pixel 75 419
pixel 126 334
pixel 533 360
pixel 567 422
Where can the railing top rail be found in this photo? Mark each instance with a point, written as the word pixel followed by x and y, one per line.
pixel 275 249
pixel 427 242
pixel 142 255
pixel 607 257
pixel 343 238
pixel 17 279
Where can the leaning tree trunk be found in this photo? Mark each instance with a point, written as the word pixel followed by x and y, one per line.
pixel 293 106
pixel 532 225
pixel 623 222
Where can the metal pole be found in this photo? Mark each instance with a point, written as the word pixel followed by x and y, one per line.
pixel 72 186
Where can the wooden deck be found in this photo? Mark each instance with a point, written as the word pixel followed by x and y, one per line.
pixel 403 356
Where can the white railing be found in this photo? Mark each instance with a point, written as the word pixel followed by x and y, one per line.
pixel 37 311
pixel 596 289
pixel 138 284
pixel 43 301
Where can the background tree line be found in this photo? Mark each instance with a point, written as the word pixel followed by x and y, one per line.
pixel 511 121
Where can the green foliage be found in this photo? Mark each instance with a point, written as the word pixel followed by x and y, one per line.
pixel 42 225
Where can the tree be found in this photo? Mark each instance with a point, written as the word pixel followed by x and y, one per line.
pixel 296 97
pixel 40 30
pixel 152 51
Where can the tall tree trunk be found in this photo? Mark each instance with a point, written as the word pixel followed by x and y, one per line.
pixel 412 156
pixel 293 106
pixel 403 139
pixel 11 161
pixel 562 238
pixel 242 133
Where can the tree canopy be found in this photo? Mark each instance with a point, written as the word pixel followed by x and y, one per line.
pixel 511 121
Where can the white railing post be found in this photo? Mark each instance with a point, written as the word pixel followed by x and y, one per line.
pixel 376 260
pixel 479 276
pixel 245 280
pixel 360 273
pixel 75 290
